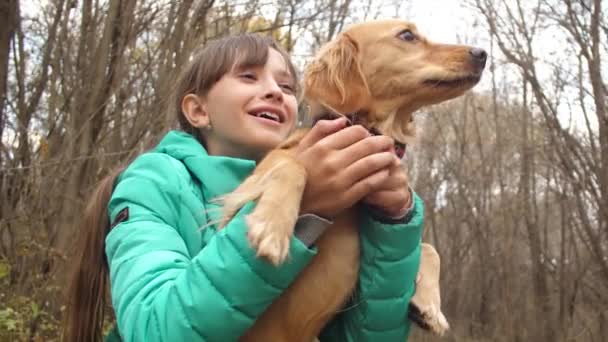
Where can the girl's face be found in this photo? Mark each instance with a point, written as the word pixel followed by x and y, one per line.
pixel 251 109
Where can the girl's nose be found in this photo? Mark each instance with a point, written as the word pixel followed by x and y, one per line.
pixel 273 91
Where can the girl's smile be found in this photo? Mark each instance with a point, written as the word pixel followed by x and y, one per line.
pixel 250 110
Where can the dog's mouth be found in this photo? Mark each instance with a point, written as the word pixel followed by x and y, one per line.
pixel 453 82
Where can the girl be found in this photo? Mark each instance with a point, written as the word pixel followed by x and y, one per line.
pixel 173 281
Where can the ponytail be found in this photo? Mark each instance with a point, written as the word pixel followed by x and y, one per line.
pixel 88 291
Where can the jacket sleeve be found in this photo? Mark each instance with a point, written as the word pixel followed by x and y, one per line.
pixel 162 293
pixel 390 257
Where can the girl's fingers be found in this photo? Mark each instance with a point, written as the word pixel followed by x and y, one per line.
pixel 367 166
pixel 365 186
pixel 320 130
pixel 344 138
pixel 364 148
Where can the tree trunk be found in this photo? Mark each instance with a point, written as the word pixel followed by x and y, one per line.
pixel 542 307
pixel 8 14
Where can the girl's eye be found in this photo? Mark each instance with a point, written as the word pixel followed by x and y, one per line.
pixel 407 35
pixel 288 88
pixel 248 75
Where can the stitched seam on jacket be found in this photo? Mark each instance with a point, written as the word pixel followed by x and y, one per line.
pixel 238 252
pixel 199 332
pixel 224 297
pixel 138 165
pixel 401 229
pixel 368 328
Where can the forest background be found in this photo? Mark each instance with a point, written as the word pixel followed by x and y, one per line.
pixel 514 174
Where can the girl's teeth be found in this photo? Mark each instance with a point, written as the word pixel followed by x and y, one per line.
pixel 269 115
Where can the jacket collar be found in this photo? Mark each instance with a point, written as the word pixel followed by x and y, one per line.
pixel 217 175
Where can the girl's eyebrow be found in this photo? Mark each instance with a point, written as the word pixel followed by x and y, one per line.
pixel 241 67
pixel 244 65
pixel 285 74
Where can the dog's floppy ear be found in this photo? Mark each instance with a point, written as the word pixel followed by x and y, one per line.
pixel 334 78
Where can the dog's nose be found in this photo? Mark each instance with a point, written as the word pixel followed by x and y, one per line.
pixel 479 56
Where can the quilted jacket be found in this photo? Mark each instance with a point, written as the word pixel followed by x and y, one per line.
pixel 174 278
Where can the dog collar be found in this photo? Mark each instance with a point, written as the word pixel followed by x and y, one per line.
pixel 354 119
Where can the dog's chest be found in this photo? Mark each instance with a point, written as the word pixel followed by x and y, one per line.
pixel 337 261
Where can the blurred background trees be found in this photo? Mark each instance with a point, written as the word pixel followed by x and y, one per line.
pixel 514 174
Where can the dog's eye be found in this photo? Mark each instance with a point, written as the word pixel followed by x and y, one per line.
pixel 407 35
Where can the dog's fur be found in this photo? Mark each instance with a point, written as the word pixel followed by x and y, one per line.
pixel 367 69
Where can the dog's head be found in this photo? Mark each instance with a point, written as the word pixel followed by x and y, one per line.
pixel 388 70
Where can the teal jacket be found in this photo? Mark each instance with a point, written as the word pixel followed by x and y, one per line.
pixel 175 278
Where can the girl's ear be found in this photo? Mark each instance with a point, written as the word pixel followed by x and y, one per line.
pixel 334 78
pixel 194 109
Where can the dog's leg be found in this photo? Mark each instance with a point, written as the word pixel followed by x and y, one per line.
pixel 425 306
pixel 250 190
pixel 319 291
pixel 277 184
pixel 270 230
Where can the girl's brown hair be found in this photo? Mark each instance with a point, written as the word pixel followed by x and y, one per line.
pixel 214 61
pixel 88 293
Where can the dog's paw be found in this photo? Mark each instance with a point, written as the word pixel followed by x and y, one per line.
pixel 268 241
pixel 429 318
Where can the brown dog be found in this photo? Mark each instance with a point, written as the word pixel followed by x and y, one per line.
pixel 383 71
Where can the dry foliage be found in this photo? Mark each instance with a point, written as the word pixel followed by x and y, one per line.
pixel 515 179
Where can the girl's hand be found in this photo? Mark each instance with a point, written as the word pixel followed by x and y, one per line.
pixel 392 197
pixel 343 165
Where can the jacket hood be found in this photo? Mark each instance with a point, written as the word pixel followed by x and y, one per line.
pixel 217 174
